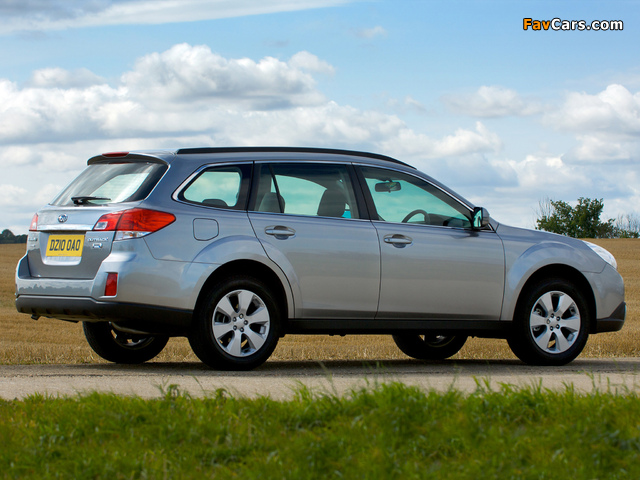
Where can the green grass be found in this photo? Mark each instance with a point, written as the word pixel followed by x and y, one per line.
pixel 392 431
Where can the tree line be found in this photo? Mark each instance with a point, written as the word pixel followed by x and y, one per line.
pixel 7 236
pixel 583 220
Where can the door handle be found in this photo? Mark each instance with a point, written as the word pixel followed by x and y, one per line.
pixel 280 232
pixel 398 240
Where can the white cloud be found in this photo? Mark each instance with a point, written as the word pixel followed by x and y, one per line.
pixel 189 90
pixel 51 9
pixel 606 125
pixel 463 142
pixel 10 194
pixel 48 114
pixel 493 101
pixel 29 15
pixel 373 32
pixel 45 158
pixel 413 104
pixel 61 78
pixel 17 155
pixel 308 61
pixel 329 125
pixel 189 74
pixel 184 89
pixel 615 111
pixel 597 149
pixel 15 198
pixel 405 105
pixel 549 173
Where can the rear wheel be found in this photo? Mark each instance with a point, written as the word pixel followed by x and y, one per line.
pixel 122 347
pixel 238 325
pixel 551 324
pixel 430 346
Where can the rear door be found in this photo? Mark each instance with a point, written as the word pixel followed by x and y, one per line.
pixel 309 222
pixel 433 265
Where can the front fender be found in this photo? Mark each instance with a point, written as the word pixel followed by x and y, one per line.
pixel 523 260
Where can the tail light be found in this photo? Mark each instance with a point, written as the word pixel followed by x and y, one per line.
pixel 134 223
pixel 34 223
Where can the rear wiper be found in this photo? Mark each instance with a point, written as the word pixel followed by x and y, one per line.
pixel 85 199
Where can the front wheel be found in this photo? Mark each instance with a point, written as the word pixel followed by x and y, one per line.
pixel 119 346
pixel 237 326
pixel 551 325
pixel 430 346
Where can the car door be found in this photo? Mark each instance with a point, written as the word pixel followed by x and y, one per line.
pixel 309 222
pixel 433 265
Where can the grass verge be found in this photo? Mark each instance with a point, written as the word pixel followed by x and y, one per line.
pixel 392 431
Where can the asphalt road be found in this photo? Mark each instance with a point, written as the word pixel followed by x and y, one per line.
pixel 279 380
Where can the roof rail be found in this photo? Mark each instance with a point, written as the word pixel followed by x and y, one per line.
pixel 335 151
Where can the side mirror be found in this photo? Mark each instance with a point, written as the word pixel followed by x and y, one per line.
pixel 480 218
pixel 388 187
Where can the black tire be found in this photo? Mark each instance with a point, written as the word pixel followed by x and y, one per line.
pixel 430 346
pixel 237 326
pixel 122 347
pixel 551 323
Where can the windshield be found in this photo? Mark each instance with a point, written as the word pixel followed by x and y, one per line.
pixel 103 183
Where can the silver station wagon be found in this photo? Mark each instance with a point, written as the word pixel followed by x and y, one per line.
pixel 237 247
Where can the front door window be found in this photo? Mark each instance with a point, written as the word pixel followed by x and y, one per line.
pixel 402 198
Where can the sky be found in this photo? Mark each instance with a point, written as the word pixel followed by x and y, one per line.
pixel 507 117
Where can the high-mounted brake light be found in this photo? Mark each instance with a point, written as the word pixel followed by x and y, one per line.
pixel 115 154
pixel 134 223
pixel 34 223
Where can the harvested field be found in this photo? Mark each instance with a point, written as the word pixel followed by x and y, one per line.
pixel 23 340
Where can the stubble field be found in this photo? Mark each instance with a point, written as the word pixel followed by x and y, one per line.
pixel 24 341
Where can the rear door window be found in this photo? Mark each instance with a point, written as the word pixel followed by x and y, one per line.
pixel 321 190
pixel 220 187
pixel 107 183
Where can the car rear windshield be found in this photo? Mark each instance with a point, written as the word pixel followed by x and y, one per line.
pixel 103 183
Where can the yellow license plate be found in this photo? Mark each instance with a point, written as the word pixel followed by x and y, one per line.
pixel 65 246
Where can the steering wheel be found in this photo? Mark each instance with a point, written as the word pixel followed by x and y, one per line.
pixel 427 220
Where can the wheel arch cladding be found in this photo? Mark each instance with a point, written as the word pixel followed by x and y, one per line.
pixel 563 272
pixel 251 268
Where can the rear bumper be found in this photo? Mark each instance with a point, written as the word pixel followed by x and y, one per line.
pixel 614 322
pixel 146 318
